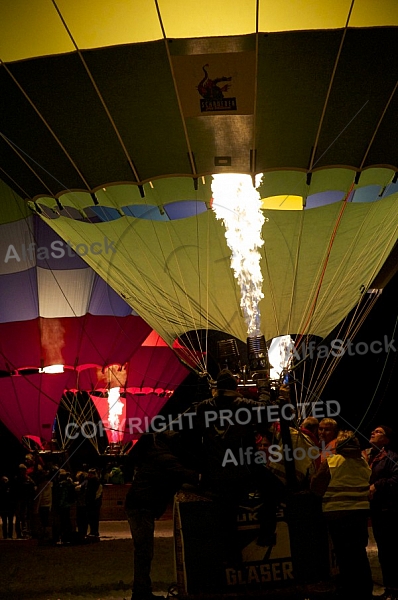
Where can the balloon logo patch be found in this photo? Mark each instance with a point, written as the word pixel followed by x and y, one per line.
pixel 213 94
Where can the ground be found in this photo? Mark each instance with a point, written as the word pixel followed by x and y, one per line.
pixel 101 571
pixel 93 571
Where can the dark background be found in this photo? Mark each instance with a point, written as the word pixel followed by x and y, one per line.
pixel 367 386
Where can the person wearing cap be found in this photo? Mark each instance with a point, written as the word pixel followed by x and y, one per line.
pixel 383 497
pixel 342 481
pixel 229 424
pixel 227 421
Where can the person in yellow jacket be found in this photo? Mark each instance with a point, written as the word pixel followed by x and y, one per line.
pixel 303 452
pixel 343 483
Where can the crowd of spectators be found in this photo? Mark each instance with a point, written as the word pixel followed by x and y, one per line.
pixel 53 504
pixel 353 487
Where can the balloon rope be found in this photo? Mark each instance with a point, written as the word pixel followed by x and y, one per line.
pixel 183 121
pixel 342 276
pixel 325 263
pixel 378 125
pixel 20 155
pixel 360 314
pixel 119 137
pixel 318 133
pixel 56 138
pixel 381 375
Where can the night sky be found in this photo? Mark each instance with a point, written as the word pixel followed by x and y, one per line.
pixel 369 383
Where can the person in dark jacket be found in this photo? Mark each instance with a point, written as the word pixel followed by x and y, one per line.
pixel 22 493
pixel 94 492
pixel 159 474
pixel 81 506
pixel 384 505
pixel 6 508
pixel 63 499
pixel 229 425
pixel 226 422
pixel 342 481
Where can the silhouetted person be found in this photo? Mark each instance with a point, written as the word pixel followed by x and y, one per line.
pixel 6 508
pixel 229 424
pixel 159 474
pixel 22 492
pixel 384 505
pixel 94 492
